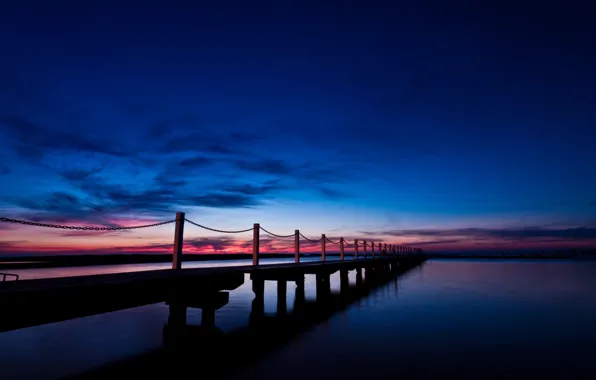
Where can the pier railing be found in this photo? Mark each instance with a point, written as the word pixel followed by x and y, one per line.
pixel 377 249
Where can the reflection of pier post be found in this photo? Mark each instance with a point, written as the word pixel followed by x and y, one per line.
pixel 177 315
pixel 323 286
pixel 282 288
pixel 343 280
pixel 208 316
pixel 299 296
pixel 258 303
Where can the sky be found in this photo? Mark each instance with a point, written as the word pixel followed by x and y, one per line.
pixel 448 126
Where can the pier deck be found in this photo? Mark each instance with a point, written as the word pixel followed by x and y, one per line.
pixel 33 302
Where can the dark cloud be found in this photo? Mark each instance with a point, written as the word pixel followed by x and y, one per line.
pixel 435 242
pixel 77 174
pixel 267 166
pixel 194 162
pixel 334 194
pixel 33 139
pixel 249 189
pixel 525 233
pixel 219 200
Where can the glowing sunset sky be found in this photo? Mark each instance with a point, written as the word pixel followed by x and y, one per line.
pixel 450 129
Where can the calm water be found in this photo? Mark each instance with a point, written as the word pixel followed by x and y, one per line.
pixel 464 318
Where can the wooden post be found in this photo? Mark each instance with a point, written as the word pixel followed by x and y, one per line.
pixel 323 246
pixel 380 249
pixel 255 244
pixel 356 249
pixel 364 243
pixel 372 244
pixel 385 249
pixel 178 241
pixel 296 246
pixel 341 248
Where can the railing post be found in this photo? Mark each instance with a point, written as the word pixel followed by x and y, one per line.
pixel 341 248
pixel 380 249
pixel 255 244
pixel 385 249
pixel 178 241
pixel 372 251
pixel 364 243
pixel 323 246
pixel 356 249
pixel 296 246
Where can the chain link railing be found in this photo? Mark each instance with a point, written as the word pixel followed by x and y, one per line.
pixel 218 230
pixel 81 228
pixel 180 219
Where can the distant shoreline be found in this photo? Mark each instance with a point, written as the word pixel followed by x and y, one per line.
pixel 56 261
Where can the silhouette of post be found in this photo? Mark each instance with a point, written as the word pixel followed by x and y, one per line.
pixel 255 244
pixel 344 281
pixel 323 246
pixel 178 241
pixel 258 303
pixel 296 246
pixel 323 286
pixel 358 276
pixel 282 288
pixel 341 248
pixel 356 249
pixel 299 295
pixel 364 243
pixel 177 315
pixel 385 249
pixel 380 249
pixel 208 316
pixel 372 251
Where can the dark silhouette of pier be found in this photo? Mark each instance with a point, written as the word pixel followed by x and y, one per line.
pixel 189 347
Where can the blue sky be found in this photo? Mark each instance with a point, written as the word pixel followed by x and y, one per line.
pixel 411 122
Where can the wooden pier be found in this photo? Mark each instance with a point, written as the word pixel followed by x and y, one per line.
pixel 188 347
pixel 34 302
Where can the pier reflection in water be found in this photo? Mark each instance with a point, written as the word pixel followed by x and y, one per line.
pixel 187 345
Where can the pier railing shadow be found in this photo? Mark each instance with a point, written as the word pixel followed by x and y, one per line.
pixel 188 347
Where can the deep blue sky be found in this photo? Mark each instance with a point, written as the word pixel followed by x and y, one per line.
pixel 415 119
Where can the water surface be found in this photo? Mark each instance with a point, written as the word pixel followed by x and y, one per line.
pixel 461 318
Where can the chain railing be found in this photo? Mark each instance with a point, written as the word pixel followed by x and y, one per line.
pixel 384 249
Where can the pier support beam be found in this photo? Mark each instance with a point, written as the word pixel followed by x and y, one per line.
pixel 341 248
pixel 178 241
pixel 364 243
pixel 323 286
pixel 282 289
pixel 299 295
pixel 258 303
pixel 344 280
pixel 358 276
